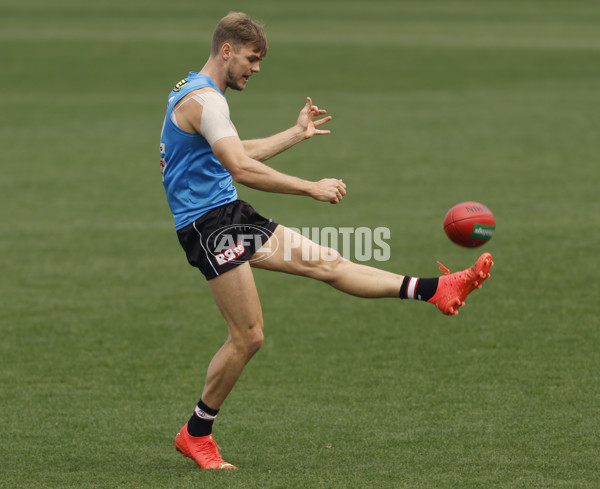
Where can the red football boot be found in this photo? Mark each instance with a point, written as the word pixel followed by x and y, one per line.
pixel 453 288
pixel 201 449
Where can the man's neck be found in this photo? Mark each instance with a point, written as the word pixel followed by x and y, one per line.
pixel 215 73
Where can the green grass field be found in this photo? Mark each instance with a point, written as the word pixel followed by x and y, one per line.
pixel 106 331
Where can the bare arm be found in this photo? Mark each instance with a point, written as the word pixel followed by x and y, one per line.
pixel 231 153
pixel 306 127
pixel 250 172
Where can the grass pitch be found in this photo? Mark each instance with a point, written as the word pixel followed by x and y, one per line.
pixel 106 331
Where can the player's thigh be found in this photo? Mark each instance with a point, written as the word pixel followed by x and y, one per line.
pixel 237 298
pixel 290 252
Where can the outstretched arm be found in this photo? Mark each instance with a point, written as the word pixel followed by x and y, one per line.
pixel 306 127
pixel 211 119
pixel 252 173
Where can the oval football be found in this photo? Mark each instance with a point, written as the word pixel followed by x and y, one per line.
pixel 469 224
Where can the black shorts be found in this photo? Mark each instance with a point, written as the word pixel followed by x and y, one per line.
pixel 225 237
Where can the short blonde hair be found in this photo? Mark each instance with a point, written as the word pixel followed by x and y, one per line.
pixel 238 29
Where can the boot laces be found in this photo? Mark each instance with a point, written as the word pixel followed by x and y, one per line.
pixel 443 268
pixel 210 451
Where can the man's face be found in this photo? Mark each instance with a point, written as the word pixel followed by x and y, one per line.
pixel 242 65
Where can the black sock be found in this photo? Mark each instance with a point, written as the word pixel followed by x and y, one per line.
pixel 201 422
pixel 422 289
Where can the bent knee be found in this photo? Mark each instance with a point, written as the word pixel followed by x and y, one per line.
pixel 249 340
pixel 254 343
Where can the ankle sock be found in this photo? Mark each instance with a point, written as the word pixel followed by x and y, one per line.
pixel 201 422
pixel 421 289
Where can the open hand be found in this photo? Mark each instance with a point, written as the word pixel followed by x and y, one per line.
pixel 307 122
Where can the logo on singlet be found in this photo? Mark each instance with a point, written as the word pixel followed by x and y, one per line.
pixel 179 85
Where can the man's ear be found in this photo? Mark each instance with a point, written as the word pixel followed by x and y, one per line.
pixel 226 50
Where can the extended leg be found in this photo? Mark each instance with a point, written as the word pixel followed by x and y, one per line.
pixel 290 252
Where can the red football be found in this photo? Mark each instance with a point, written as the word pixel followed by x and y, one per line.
pixel 469 224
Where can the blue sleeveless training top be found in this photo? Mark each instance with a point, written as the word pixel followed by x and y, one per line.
pixel 194 180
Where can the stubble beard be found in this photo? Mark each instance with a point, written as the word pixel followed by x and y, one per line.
pixel 232 83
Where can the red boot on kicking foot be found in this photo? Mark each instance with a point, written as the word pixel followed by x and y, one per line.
pixel 453 288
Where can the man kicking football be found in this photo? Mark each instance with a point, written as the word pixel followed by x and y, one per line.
pixel 201 158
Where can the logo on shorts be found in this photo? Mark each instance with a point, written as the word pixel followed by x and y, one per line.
pixel 229 243
pixel 230 254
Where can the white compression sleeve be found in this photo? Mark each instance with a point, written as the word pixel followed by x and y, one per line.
pixel 215 123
